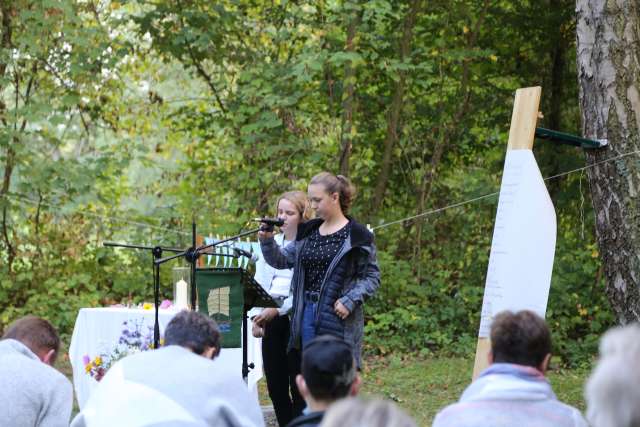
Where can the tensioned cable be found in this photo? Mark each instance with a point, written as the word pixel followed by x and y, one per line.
pixel 475 199
pixel 423 214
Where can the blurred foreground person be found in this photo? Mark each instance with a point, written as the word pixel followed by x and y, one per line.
pixel 178 385
pixel 613 389
pixel 513 390
pixel 32 392
pixel 354 412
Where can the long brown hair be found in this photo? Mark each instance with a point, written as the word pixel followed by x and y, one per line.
pixel 337 184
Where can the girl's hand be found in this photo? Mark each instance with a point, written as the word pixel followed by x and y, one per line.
pixel 266 316
pixel 341 310
pixel 263 235
pixel 257 331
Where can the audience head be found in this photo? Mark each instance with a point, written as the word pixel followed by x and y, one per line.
pixel 38 335
pixel 612 391
pixel 521 338
pixel 328 370
pixel 354 412
pixel 194 331
pixel 328 193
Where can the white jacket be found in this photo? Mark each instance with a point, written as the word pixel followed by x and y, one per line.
pixel 265 274
pixel 508 395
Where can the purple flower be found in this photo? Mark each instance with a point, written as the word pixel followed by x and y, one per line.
pixel 86 359
pixel 165 304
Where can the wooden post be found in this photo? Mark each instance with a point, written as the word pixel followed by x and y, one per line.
pixel 521 136
pixel 200 242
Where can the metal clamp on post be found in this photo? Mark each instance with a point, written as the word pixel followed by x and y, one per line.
pixel 568 139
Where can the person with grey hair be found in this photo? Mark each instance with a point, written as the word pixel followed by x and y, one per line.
pixel 354 412
pixel 178 385
pixel 612 391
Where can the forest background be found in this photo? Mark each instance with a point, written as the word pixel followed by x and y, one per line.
pixel 124 121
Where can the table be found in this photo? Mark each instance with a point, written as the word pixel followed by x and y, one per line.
pixel 98 330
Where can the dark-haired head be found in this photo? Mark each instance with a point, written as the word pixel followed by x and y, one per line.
pixel 521 338
pixel 194 331
pixel 328 368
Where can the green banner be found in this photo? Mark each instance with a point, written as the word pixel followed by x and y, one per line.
pixel 220 296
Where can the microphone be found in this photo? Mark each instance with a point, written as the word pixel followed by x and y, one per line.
pixel 241 252
pixel 270 221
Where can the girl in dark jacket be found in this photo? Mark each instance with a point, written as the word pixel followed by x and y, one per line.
pixel 334 266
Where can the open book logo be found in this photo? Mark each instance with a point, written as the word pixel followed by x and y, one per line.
pixel 218 307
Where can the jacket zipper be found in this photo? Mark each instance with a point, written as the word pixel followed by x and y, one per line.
pixel 297 321
pixel 343 252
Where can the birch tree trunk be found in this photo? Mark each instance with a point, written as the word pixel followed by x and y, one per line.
pixel 608 60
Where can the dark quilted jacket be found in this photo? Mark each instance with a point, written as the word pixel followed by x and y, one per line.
pixel 352 277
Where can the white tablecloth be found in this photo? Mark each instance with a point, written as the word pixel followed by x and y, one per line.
pixel 98 330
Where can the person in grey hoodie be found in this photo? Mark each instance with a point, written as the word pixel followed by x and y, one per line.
pixel 178 385
pixel 32 392
pixel 513 390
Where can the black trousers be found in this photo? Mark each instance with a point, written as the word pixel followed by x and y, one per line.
pixel 281 369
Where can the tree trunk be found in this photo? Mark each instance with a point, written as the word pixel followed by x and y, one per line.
pixel 346 136
pixel 609 75
pixel 6 11
pixel 393 116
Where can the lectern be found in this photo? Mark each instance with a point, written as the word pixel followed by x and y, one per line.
pixel 226 295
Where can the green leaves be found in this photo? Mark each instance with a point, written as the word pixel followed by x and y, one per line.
pixel 144 116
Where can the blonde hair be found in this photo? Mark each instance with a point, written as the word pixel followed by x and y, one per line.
pixel 356 412
pixel 337 184
pixel 300 201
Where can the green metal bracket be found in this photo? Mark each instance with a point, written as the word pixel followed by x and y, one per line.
pixel 568 139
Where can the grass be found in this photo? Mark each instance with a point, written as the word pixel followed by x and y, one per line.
pixel 423 386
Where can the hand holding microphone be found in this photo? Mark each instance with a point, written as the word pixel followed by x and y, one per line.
pixel 266 230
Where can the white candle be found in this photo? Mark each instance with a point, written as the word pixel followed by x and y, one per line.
pixel 180 300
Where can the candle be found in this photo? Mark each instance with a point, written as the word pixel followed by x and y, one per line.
pixel 180 298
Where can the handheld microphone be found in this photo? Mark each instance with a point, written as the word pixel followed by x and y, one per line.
pixel 253 258
pixel 270 221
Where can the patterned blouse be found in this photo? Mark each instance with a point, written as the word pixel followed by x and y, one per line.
pixel 318 253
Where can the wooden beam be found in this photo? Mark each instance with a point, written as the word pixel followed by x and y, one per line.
pixel 200 242
pixel 521 136
pixel 524 118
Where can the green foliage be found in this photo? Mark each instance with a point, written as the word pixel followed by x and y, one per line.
pixel 127 120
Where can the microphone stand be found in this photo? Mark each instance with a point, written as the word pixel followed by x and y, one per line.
pixel 156 252
pixel 193 253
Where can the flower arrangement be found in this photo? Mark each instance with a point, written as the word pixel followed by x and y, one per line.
pixel 133 339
